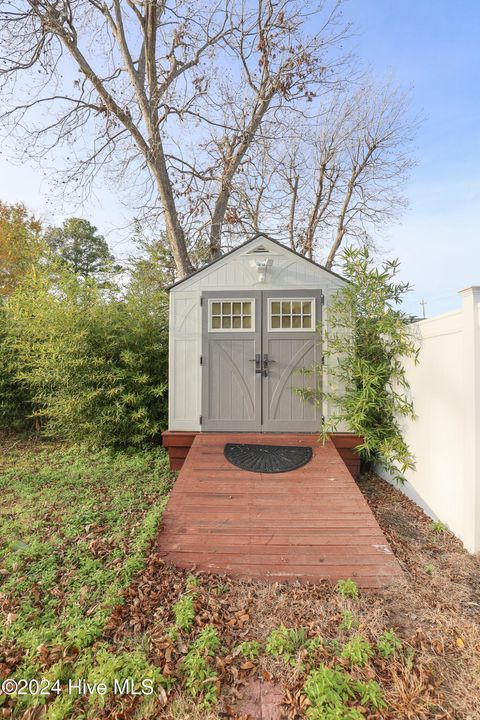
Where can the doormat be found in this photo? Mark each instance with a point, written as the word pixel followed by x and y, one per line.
pixel 267 458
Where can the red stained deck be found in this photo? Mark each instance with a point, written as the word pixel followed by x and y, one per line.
pixel 309 524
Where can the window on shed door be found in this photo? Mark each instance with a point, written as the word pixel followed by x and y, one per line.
pixel 291 314
pixel 231 314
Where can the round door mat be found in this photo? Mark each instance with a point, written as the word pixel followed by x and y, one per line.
pixel 267 458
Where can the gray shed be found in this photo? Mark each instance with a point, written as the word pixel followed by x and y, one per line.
pixel 240 330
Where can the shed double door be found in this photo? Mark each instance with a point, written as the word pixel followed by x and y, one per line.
pixel 254 346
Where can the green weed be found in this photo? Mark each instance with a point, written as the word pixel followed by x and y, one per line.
pixel 286 642
pixel 357 651
pixel 110 668
pixel 370 693
pixel 388 644
pixel 191 583
pixel 196 669
pixel 207 640
pixel 438 526
pixel 409 658
pixel 349 621
pixel 250 649
pixel 77 529
pixel 328 690
pixel 172 633
pixel 347 588
pixel 184 612
pixel 312 645
pixel 331 690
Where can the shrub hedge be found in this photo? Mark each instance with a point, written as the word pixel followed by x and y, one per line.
pixel 86 363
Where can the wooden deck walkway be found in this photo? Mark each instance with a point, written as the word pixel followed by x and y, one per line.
pixel 309 524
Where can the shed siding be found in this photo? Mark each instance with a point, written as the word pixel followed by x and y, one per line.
pixel 234 272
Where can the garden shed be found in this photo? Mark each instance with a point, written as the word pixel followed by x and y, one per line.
pixel 241 329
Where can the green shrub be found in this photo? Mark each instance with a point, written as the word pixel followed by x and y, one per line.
pixel 15 406
pixel 366 338
pixel 93 361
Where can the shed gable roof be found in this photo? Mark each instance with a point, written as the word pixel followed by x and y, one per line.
pixel 261 249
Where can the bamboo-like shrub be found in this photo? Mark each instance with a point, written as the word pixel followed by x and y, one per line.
pixel 366 338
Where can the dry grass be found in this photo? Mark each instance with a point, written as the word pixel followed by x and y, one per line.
pixel 184 708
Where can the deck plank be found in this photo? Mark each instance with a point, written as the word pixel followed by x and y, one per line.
pixel 311 524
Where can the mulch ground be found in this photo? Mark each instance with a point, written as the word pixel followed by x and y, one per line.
pixel 435 610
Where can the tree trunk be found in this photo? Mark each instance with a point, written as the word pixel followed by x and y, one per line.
pixel 217 221
pixel 152 150
pixel 335 245
pixel 291 219
pixel 230 169
pixel 175 234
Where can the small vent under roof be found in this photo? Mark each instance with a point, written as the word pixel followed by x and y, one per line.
pixel 258 249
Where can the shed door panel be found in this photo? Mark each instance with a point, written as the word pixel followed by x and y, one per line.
pixel 231 388
pixel 235 396
pixel 289 349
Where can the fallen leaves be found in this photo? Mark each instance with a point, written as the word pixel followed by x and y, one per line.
pixel 436 617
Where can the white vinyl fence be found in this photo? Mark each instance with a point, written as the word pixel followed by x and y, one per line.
pixel 445 438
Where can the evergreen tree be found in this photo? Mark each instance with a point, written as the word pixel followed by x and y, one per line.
pixel 78 244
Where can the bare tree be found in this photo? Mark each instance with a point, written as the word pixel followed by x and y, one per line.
pixel 133 85
pixel 375 162
pixel 281 70
pixel 338 176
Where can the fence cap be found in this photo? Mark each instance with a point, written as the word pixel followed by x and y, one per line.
pixel 471 290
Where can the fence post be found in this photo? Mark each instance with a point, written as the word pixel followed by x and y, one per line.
pixel 471 367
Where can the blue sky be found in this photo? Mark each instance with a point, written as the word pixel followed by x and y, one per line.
pixel 433 48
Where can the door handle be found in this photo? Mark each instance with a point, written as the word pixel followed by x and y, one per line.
pixel 258 363
pixel 262 364
pixel 265 365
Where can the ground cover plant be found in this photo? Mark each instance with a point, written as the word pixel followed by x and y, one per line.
pixel 85 594
pixel 75 525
